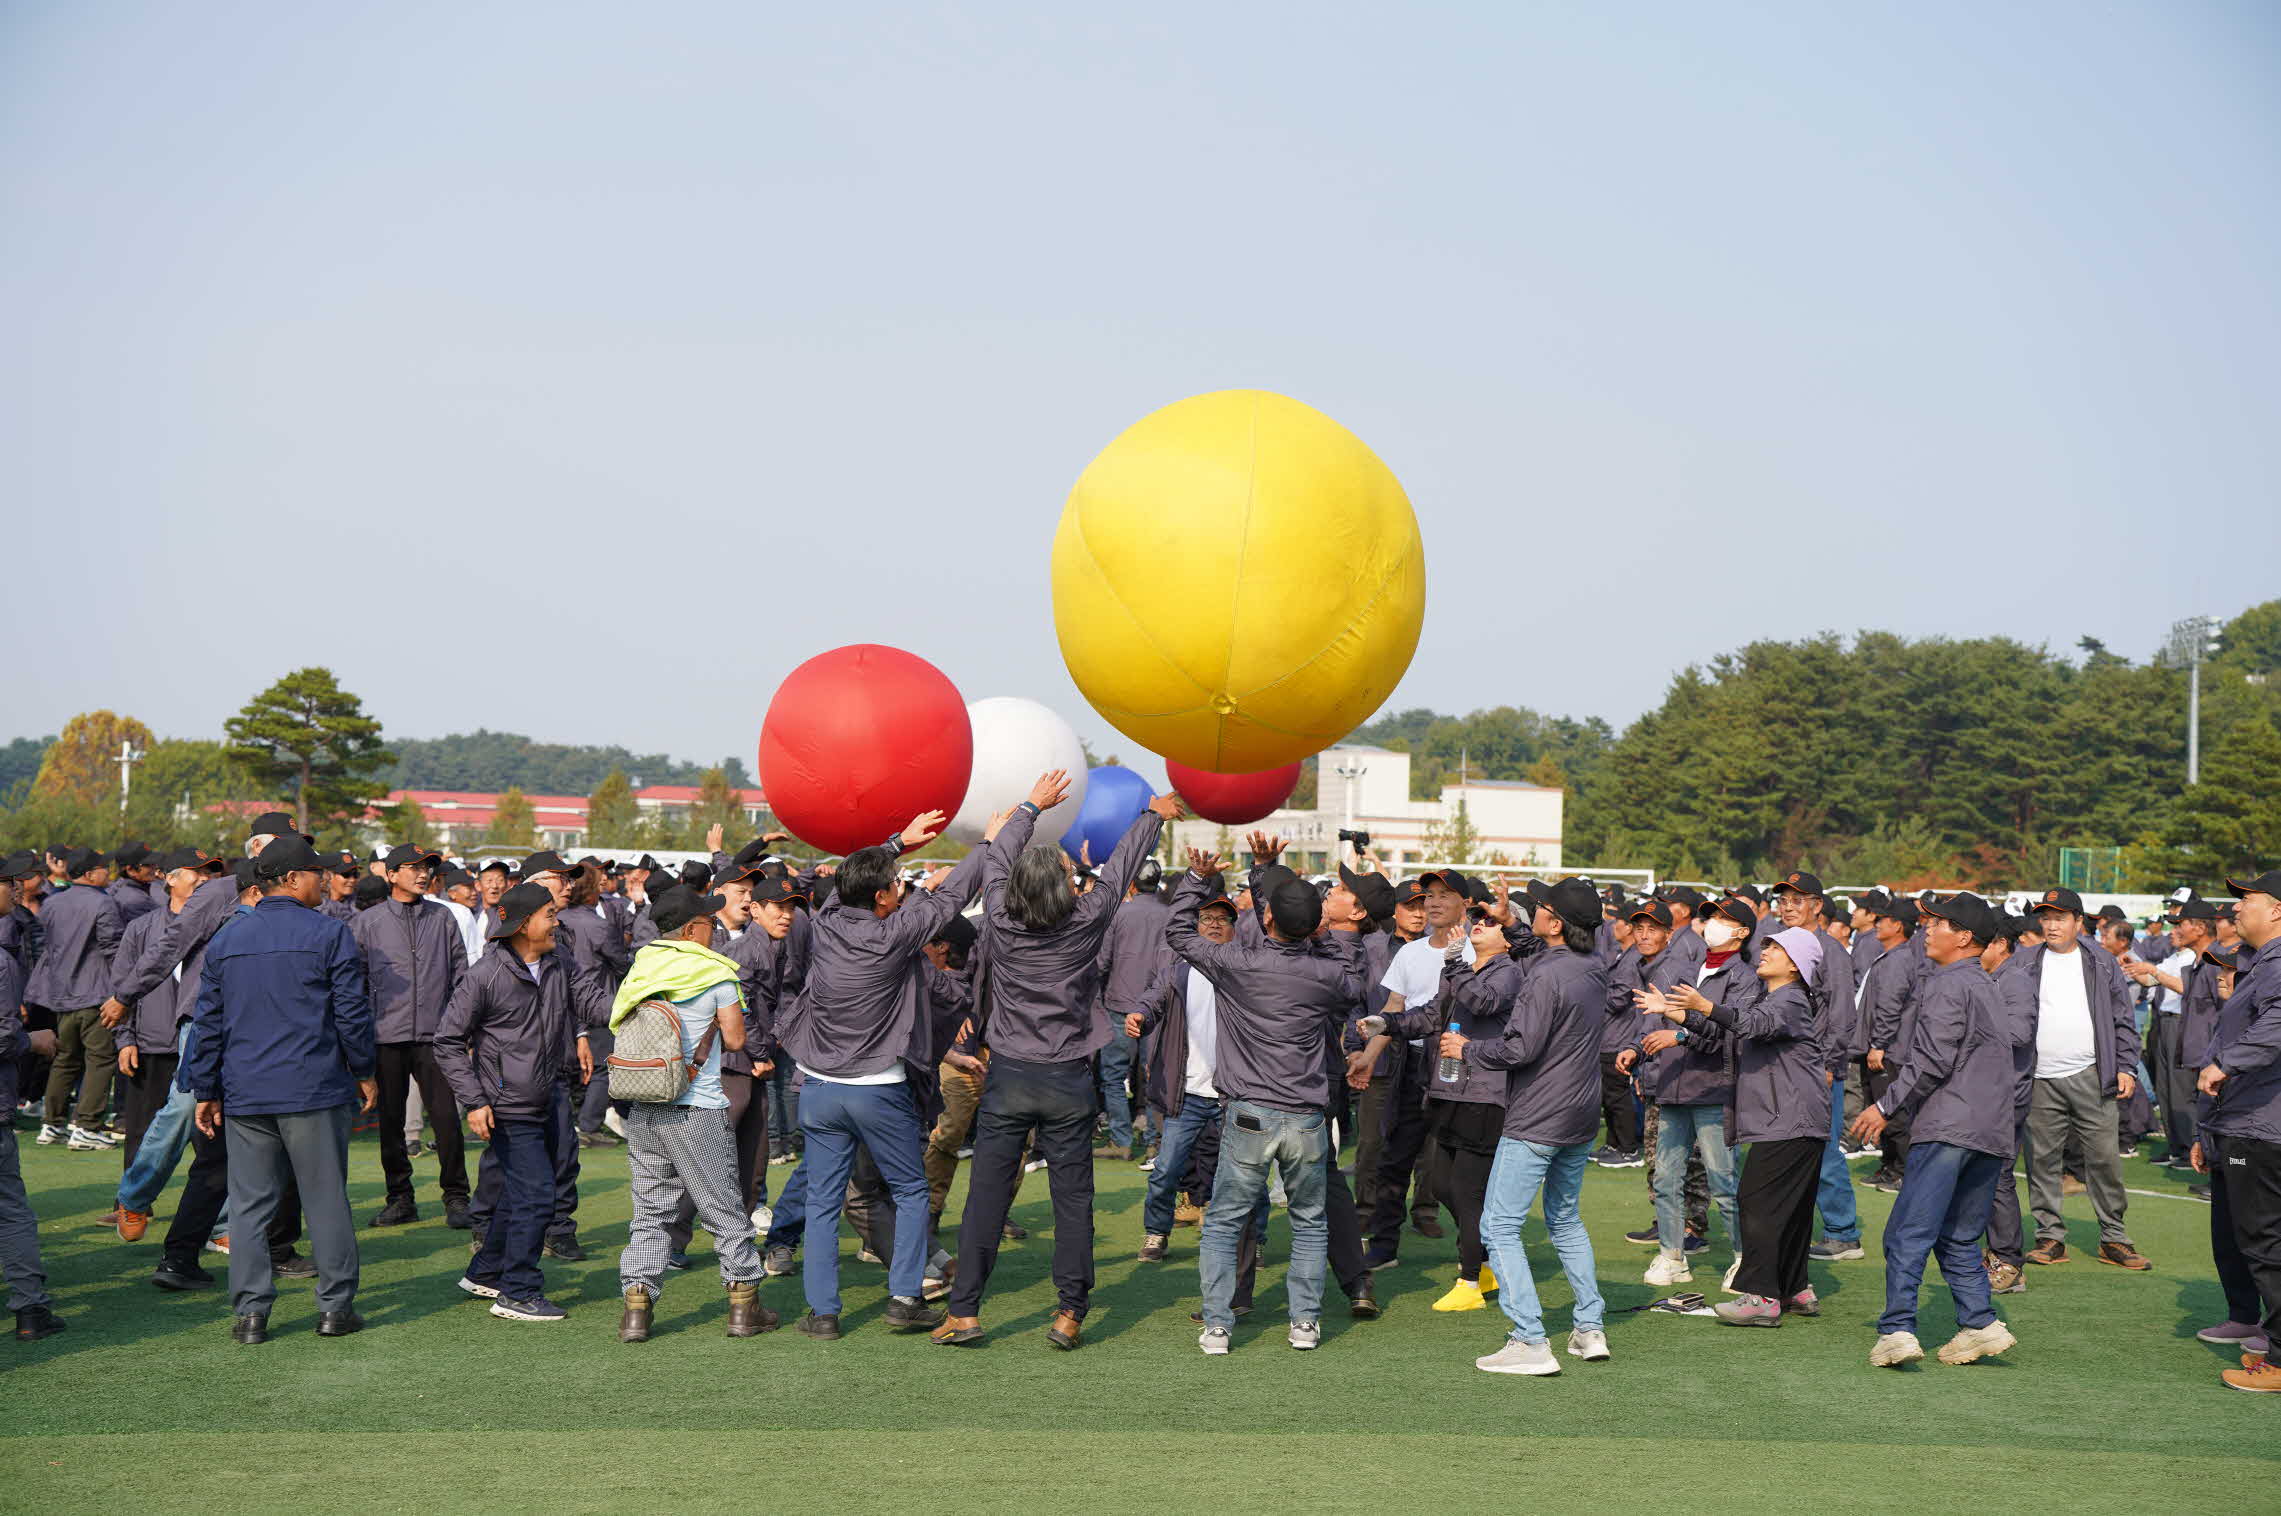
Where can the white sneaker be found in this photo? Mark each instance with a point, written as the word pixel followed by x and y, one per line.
pixel 1974 1343
pixel 50 1135
pixel 1148 1165
pixel 479 1291
pixel 1306 1335
pixel 614 1121
pixel 1276 1194
pixel 763 1217
pixel 1896 1348
pixel 1669 1268
pixel 1033 1165
pixel 1214 1342
pixel 1727 1281
pixel 1589 1344
pixel 1518 1357
pixel 85 1141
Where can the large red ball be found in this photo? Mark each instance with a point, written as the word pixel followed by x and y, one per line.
pixel 1232 799
pixel 860 740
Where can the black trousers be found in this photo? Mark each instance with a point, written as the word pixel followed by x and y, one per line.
pixel 1776 1198
pixel 1465 1149
pixel 748 1131
pixel 489 1181
pixel 398 1065
pixel 1058 1102
pixel 1894 1146
pixel 2250 1171
pixel 1398 1155
pixel 1619 1107
pixel 142 1096
pixel 2234 1277
pixel 2169 1064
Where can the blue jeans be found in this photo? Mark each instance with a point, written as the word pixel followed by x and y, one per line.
pixel 783 1107
pixel 885 1119
pixel 1703 1129
pixel 1940 1212
pixel 163 1140
pixel 1841 1222
pixel 1521 1170
pixel 526 1151
pixel 1196 1113
pixel 1116 1067
pixel 1254 1140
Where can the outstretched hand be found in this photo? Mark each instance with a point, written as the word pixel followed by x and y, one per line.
pixel 1265 847
pixel 1203 862
pixel 1168 806
pixel 1051 789
pixel 923 830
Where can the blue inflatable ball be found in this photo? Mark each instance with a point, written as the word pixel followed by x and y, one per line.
pixel 1113 797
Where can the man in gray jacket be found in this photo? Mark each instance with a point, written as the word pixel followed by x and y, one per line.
pixel 414 958
pixel 2086 1050
pixel 80 929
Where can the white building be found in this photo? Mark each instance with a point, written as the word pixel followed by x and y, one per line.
pixel 1367 789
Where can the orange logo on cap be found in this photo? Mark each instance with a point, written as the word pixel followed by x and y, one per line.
pixel 2051 894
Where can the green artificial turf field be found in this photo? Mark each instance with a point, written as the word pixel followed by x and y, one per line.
pixel 2107 1404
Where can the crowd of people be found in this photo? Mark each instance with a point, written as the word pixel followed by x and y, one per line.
pixel 874 1026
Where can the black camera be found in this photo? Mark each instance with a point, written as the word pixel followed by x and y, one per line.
pixel 1361 840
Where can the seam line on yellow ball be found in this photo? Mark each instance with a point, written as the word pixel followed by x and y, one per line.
pixel 1133 621
pixel 1362 613
pixel 1235 592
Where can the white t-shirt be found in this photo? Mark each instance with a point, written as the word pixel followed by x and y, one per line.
pixel 894 1075
pixel 1414 973
pixel 2167 1001
pixel 1203 1035
pixel 2064 1042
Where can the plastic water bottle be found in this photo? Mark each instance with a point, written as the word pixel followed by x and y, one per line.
pixel 1449 1068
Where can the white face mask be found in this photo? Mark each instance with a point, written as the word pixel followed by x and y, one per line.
pixel 1718 932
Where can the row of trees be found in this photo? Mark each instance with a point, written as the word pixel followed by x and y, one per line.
pixel 494 762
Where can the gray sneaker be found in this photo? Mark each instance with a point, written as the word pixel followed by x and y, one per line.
pixel 1214 1342
pixel 1306 1335
pixel 1836 1250
pixel 1518 1357
pixel 1589 1344
pixel 776 1262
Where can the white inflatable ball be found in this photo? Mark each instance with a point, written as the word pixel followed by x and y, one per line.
pixel 1015 740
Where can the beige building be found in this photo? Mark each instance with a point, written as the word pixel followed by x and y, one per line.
pixel 1367 789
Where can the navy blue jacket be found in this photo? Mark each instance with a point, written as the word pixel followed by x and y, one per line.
pixel 81 929
pixel 134 900
pixel 1631 972
pixel 2106 991
pixel 283 1022
pixel 1957 1080
pixel 2248 1047
pixel 506 1041
pixel 1550 1053
pixel 1780 1090
pixel 1699 1071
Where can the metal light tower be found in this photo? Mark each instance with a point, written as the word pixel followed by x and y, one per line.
pixel 129 756
pixel 1351 772
pixel 2191 642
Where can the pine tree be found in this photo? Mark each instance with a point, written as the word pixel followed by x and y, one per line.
pixel 308 736
pixel 613 817
pixel 513 822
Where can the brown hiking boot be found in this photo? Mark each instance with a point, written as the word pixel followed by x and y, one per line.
pixel 1187 1213
pixel 957 1332
pixel 2257 1375
pixel 1066 1332
pixel 2123 1256
pixel 633 1326
pixel 2053 1251
pixel 747 1316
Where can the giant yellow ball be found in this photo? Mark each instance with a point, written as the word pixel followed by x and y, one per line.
pixel 1237 581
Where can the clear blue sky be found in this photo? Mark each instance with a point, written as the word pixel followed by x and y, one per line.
pixel 709 336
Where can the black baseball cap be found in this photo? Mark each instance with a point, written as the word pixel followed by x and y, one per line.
pixel 679 906
pixel 2267 883
pixel 2223 957
pixel 1799 883
pixel 1968 911
pixel 1735 909
pixel 517 906
pixel 1409 892
pixel 1654 912
pixel 21 865
pixel 2196 909
pixel 1682 894
pixel 2061 899
pixel 133 855
pixel 345 862
pixel 1903 910
pixel 1294 907
pixel 247 873
pixel 769 886
pixel 958 932
pixel 1371 891
pixel 404 853
pixel 273 824
pixel 1572 900
pixel 289 854
pixel 730 873
pixel 546 861
pixel 2112 912
pixel 1448 879
pixel 1219 902
pixel 81 861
